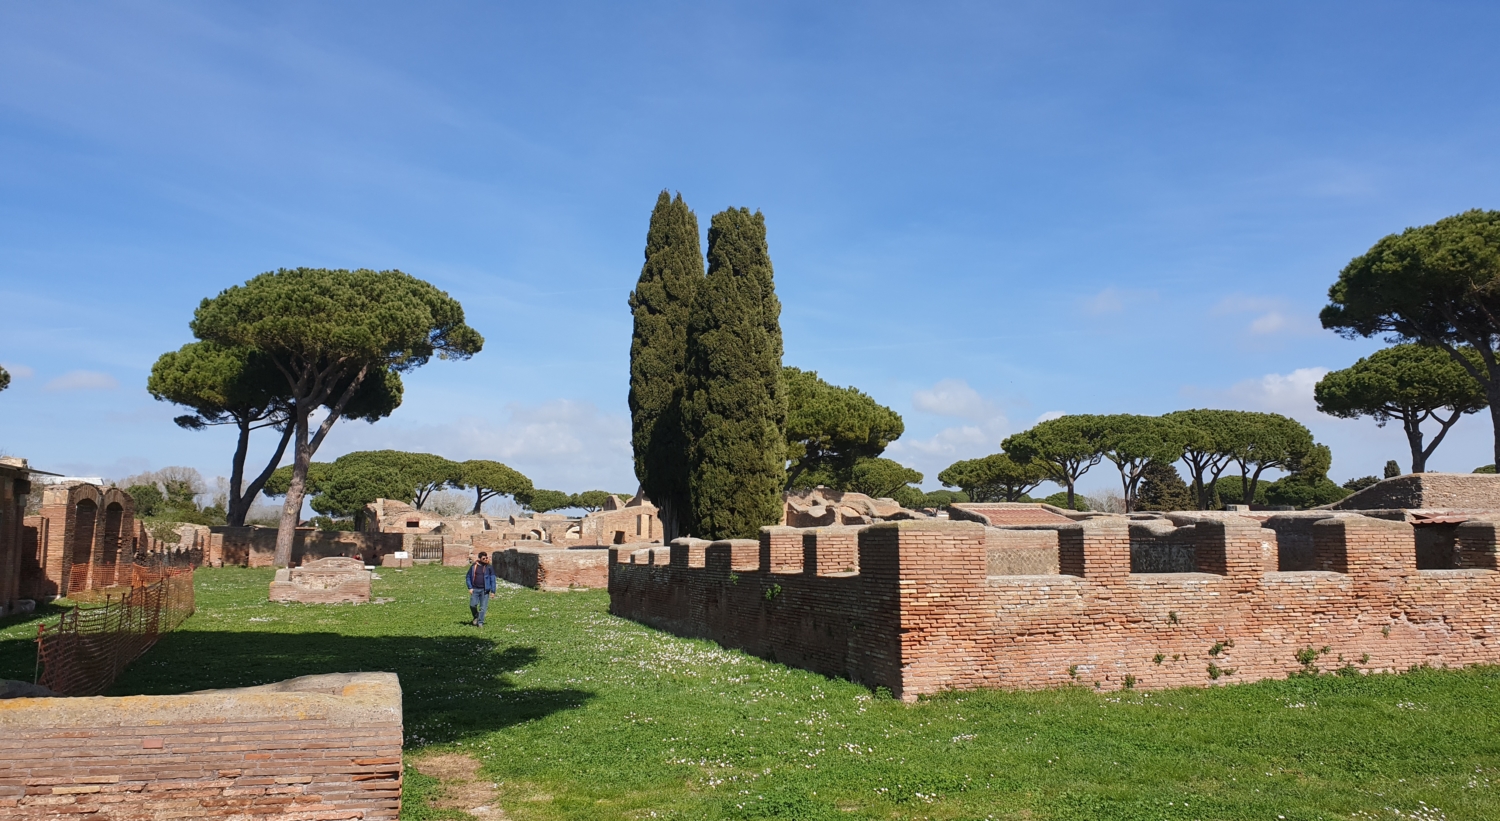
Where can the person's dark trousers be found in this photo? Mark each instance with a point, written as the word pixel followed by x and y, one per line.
pixel 479 605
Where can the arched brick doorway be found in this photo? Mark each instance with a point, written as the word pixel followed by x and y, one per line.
pixel 85 516
pixel 109 547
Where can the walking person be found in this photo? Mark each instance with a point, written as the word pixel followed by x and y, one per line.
pixel 481 581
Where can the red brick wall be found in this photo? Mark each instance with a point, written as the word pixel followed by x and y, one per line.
pixel 547 568
pixel 922 615
pixel 320 747
pixel 254 546
pixel 108 537
pixel 13 490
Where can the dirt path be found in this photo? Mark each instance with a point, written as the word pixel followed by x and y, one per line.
pixel 462 787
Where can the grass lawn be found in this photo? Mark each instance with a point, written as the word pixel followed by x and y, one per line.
pixel 574 714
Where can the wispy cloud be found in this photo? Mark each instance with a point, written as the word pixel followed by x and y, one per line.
pixel 565 444
pixel 83 381
pixel 17 370
pixel 1115 300
pixel 1269 318
pixel 1289 394
pixel 984 424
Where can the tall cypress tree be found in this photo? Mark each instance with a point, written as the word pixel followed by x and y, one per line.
pixel 734 409
pixel 662 302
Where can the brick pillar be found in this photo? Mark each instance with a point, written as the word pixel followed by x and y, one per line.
pixel 941 570
pixel 828 550
pixel 34 582
pixel 688 552
pixel 732 555
pixel 1362 546
pixel 1096 549
pixel 780 550
pixel 1234 547
pixel 59 532
pixel 1475 546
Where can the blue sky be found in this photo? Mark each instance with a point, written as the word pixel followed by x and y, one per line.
pixel 979 213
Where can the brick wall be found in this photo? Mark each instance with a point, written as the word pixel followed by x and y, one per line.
pixel 926 612
pixel 255 546
pixel 14 487
pixel 550 568
pixel 91 537
pixel 1428 491
pixel 319 747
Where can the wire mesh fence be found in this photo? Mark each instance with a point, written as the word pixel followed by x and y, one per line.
pixel 88 648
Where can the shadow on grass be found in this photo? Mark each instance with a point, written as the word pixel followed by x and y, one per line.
pixel 453 687
pixel 18 651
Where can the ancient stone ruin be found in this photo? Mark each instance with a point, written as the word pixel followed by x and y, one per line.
pixel 1030 596
pixel 333 580
pixel 821 507
pixel 317 747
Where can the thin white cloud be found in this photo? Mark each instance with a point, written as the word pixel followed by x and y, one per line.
pixel 1289 394
pixel 1114 300
pixel 1271 318
pixel 17 371
pixel 984 424
pixel 1050 415
pixel 82 381
pixel 564 444
pixel 953 397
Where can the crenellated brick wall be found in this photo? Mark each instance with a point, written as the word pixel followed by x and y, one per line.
pixel 318 748
pixel 926 610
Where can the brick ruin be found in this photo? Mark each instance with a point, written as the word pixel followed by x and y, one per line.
pixel 317 747
pixel 1150 601
pixel 15 486
pixel 544 551
pixel 334 580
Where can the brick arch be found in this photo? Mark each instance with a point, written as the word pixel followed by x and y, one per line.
pixel 108 561
pixel 84 516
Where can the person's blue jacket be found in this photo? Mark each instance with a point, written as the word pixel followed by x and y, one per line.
pixel 481 577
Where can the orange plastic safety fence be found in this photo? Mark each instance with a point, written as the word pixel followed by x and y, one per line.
pixel 88 649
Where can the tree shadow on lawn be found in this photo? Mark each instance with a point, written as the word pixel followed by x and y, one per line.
pixel 453 687
pixel 18 650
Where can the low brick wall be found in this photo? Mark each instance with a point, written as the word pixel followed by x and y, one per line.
pixel 547 568
pixel 926 611
pixel 457 555
pixel 314 748
pixel 255 546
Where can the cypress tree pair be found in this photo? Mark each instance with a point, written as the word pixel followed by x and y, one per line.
pixel 706 355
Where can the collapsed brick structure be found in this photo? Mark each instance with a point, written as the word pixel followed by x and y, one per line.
pixel 927 605
pixel 333 580
pixel 317 747
pixel 821 507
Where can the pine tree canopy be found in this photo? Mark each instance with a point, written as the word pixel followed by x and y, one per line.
pixel 830 429
pixel 993 478
pixel 734 406
pixel 1410 384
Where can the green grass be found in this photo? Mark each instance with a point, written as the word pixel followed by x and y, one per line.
pixel 579 715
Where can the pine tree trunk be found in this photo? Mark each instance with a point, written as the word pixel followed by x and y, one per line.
pixel 291 509
pixel 235 515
